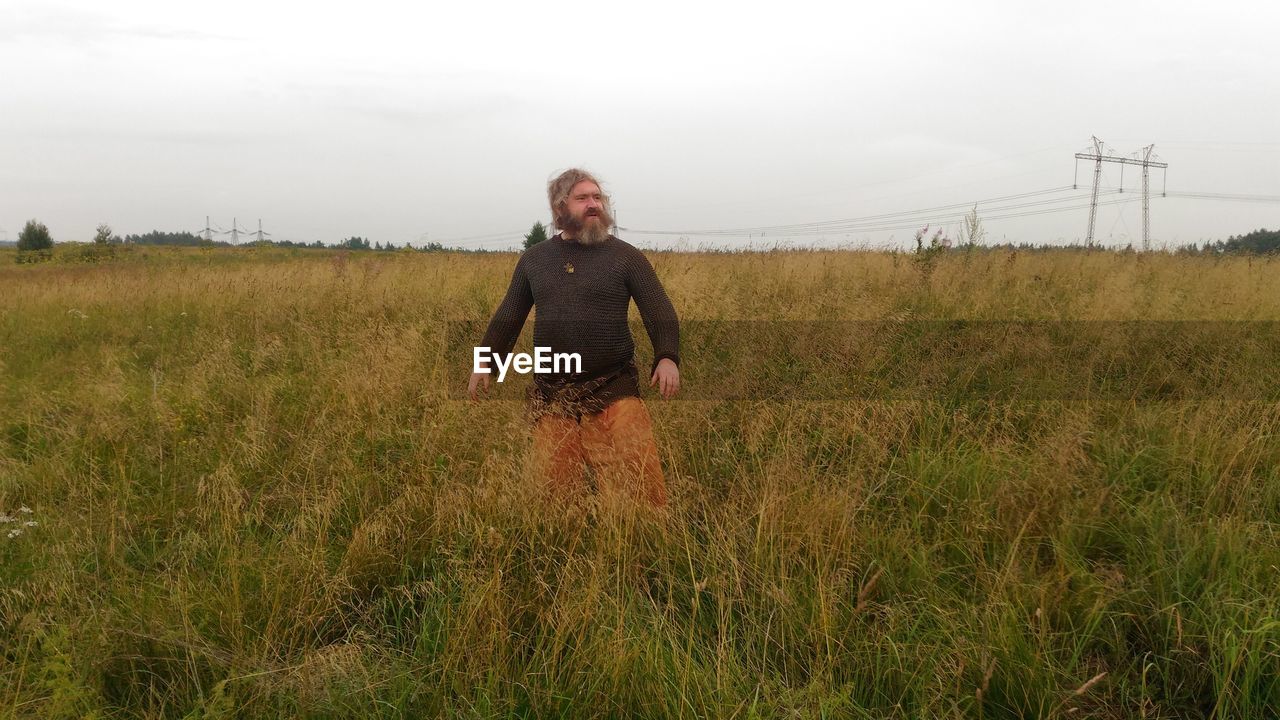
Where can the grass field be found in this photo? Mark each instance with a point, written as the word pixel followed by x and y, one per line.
pixel 256 493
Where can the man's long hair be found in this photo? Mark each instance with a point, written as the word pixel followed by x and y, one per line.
pixel 558 197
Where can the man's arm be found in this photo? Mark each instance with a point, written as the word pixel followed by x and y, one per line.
pixel 508 320
pixel 659 315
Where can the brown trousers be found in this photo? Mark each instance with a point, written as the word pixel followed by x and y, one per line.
pixel 617 443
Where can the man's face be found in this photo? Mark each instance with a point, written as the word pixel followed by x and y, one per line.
pixel 589 220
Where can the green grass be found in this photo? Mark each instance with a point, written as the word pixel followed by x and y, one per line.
pixel 258 495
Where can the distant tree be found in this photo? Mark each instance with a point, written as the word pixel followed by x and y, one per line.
pixel 537 234
pixel 355 242
pixel 34 236
pixel 1258 242
pixel 155 237
pixel 103 234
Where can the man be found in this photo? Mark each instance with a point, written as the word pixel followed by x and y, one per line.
pixel 582 280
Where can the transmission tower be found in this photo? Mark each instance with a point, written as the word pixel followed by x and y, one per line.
pixel 1146 196
pixel 1097 176
pixel 207 233
pixel 259 235
pixel 234 232
pixel 1146 162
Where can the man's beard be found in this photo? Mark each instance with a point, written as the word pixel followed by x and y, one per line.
pixel 588 231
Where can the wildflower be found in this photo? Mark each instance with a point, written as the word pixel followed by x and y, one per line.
pixel 30 523
pixel 24 510
pixel 15 532
pixel 7 518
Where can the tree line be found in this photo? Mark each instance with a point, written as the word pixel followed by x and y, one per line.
pixel 1258 242
pixel 35 238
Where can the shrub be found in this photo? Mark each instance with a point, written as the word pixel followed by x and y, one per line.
pixel 34 236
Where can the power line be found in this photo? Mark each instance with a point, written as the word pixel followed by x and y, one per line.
pixel 1027 213
pixel 906 223
pixel 998 208
pixel 502 241
pixel 900 220
pixel 920 216
pixel 490 236
pixel 1179 143
pixel 765 228
pixel 1225 196
pixel 851 222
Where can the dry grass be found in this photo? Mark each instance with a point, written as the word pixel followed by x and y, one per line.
pixel 258 494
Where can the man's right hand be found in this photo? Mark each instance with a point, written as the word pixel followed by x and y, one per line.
pixel 478 378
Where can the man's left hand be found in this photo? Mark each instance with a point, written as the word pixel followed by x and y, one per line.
pixel 667 377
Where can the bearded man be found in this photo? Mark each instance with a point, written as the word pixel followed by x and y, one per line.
pixel 583 280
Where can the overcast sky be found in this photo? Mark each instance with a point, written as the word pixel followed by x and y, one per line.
pixel 443 122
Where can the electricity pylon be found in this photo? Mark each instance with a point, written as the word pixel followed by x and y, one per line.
pixel 1146 162
pixel 208 231
pixel 234 232
pixel 260 234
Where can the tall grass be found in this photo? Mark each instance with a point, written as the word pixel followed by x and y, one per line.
pixel 257 495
